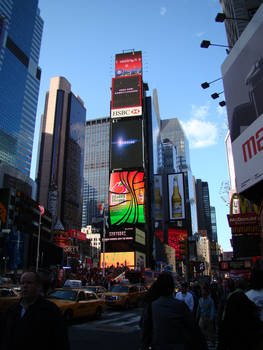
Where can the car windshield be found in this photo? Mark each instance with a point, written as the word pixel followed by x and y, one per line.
pixel 63 294
pixel 120 289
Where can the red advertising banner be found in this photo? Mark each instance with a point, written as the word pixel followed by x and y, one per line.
pixel 128 63
pixel 242 219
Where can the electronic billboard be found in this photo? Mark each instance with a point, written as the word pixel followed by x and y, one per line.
pixel 117 259
pixel 126 98
pixel 129 63
pixel 127 197
pixel 127 144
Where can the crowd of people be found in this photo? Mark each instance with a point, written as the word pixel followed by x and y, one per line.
pixel 228 315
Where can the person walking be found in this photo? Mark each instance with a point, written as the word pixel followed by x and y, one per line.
pixel 255 294
pixel 185 296
pixel 170 324
pixel 33 322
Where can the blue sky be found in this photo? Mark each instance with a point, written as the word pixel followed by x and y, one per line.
pixel 80 40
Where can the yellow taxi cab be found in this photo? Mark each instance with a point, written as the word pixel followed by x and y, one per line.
pixel 77 303
pixel 123 296
pixel 8 296
pixel 98 290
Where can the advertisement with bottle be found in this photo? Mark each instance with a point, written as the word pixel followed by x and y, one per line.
pixel 129 63
pixel 158 197
pixel 176 196
pixel 127 197
pixel 242 73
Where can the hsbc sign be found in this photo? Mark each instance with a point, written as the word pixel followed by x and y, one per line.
pixel 248 155
pixel 126 112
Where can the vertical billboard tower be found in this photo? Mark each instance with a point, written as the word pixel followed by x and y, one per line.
pixel 126 238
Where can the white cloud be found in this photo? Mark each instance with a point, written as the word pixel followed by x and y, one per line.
pixel 199 34
pixel 200 133
pixel 200 112
pixel 163 11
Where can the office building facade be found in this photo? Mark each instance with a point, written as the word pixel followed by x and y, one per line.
pixel 61 155
pixel 20 37
pixel 96 169
pixel 203 208
pixel 240 9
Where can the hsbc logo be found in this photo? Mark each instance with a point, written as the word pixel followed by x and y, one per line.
pixel 253 145
pixel 135 111
pixel 120 113
pixel 126 112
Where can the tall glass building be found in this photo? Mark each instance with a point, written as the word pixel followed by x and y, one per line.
pixel 61 155
pixel 20 37
pixel 96 169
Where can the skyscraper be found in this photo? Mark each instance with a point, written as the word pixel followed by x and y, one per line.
pixel 172 130
pixel 61 156
pixel 96 168
pixel 203 207
pixel 240 9
pixel 20 37
pixel 213 223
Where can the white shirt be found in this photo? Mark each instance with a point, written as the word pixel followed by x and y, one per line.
pixel 257 297
pixel 187 298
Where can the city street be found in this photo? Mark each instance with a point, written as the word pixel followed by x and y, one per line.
pixel 115 330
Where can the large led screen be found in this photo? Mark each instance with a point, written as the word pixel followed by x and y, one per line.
pixel 127 197
pixel 158 197
pixel 126 98
pixel 243 85
pixel 175 237
pixel 126 144
pixel 176 196
pixel 119 240
pixel 117 259
pixel 129 63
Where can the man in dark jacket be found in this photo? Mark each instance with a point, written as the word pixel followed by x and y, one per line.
pixel 33 322
pixel 170 324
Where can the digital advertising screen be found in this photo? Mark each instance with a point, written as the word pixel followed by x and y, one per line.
pixel 120 240
pixel 126 98
pixel 140 260
pixel 129 63
pixel 127 197
pixel 246 245
pixel 176 196
pixel 117 259
pixel 175 237
pixel 127 144
pixel 158 197
pixel 242 73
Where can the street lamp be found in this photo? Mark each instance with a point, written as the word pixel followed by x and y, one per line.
pixel 220 17
pixel 206 43
pixel 42 210
pixel 222 103
pixel 206 85
pixel 216 95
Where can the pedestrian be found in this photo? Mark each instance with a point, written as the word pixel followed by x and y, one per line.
pixel 186 296
pixel 255 294
pixel 241 327
pixel 206 314
pixel 34 322
pixel 170 324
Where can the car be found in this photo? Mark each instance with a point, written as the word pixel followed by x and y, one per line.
pixel 99 290
pixel 77 303
pixel 73 284
pixel 123 296
pixel 8 296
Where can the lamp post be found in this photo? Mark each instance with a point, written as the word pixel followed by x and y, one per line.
pixel 42 210
pixel 206 43
pixel 102 212
pixel 206 85
pixel 216 95
pixel 220 17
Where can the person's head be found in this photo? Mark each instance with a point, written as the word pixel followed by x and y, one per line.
pixel 30 285
pixel 205 292
pixel 165 284
pixel 184 287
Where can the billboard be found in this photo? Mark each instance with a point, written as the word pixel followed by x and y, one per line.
pixel 140 237
pixel 118 259
pixel 129 63
pixel 120 240
pixel 127 144
pixel 176 196
pixel 176 237
pixel 242 73
pixel 246 245
pixel 127 197
pixel 158 197
pixel 126 100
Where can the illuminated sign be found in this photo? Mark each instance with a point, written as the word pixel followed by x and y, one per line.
pixel 126 97
pixel 127 197
pixel 158 197
pixel 140 237
pixel 117 259
pixel 127 144
pixel 140 260
pixel 176 196
pixel 128 63
pixel 177 239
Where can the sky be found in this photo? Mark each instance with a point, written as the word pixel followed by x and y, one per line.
pixel 80 40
